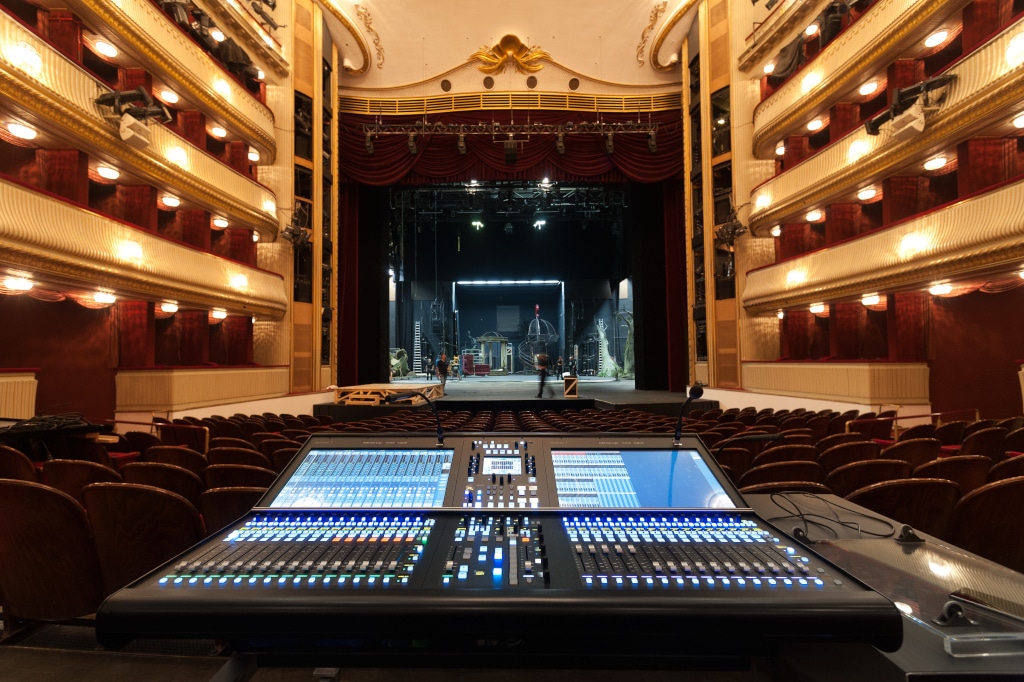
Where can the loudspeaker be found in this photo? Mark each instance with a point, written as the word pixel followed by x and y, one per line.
pixel 134 132
pixel 510 152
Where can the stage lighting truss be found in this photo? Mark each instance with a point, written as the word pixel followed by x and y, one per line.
pixel 931 92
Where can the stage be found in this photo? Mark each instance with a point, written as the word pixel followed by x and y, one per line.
pixel 514 392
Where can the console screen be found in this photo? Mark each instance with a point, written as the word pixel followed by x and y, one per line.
pixel 676 479
pixel 367 479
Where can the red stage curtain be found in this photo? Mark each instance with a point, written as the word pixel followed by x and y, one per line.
pixel 437 158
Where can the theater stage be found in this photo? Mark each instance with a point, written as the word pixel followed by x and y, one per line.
pixel 514 392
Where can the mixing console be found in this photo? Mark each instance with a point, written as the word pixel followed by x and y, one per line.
pixel 503 535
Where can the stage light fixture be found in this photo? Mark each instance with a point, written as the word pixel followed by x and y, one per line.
pixel 369 144
pixel 609 143
pixel 217 34
pixel 412 143
pixel 652 143
pixel 462 144
pixel 560 143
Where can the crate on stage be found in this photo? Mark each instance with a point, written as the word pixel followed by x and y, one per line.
pixel 571 388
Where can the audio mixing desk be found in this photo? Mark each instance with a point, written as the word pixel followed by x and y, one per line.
pixel 614 545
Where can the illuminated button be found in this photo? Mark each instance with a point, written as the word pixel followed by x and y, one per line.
pixel 163 581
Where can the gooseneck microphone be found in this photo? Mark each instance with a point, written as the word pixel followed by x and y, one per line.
pixel 411 394
pixel 696 391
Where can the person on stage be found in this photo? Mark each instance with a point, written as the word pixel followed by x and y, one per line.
pixel 442 371
pixel 542 372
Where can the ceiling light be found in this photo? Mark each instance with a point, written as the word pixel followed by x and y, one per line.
pixel 219 314
pixel 108 173
pixel 217 34
pixel 816 124
pixel 940 289
pixel 936 39
pixel 867 194
pixel 1021 273
pixel 104 297
pixel 169 96
pixel 539 224
pixel 171 201
pixel 260 75
pixel 871 299
pixel 218 132
pixel 935 164
pixel 817 308
pixel 763 201
pixel 1015 51
pixel 239 281
pixel 269 205
pixel 169 307
pixel 222 87
pixel 105 49
pixel 24 132
pixel 780 149
pixel 781 314
pixel 254 155
pixel 220 223
pixel 811 30
pixel 477 224
pixel 769 67
pixel 1017 122
pixel 255 236
pixel 18 283
pixel 776 231
pixel 814 216
pixel 868 88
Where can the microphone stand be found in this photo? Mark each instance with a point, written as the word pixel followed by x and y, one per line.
pixel 412 394
pixel 696 391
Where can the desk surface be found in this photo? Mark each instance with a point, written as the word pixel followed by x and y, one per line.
pixel 929 580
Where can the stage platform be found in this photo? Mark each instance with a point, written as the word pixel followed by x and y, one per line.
pixel 515 392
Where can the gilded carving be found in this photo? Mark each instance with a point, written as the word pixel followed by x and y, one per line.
pixel 364 14
pixel 666 28
pixel 349 26
pixel 510 52
pixel 656 13
pixel 509 100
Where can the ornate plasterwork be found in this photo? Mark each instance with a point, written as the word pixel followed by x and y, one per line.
pixel 985 89
pixel 61 99
pixel 60 242
pixel 141 28
pixel 983 234
pixel 367 19
pixel 873 41
pixel 350 27
pixel 509 53
pixel 678 14
pixel 656 13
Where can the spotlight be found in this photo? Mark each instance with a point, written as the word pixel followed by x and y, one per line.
pixel 369 144
pixel 652 143
pixel 609 143
pixel 560 143
pixel 412 143
pixel 462 144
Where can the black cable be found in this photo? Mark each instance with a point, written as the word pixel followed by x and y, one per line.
pixel 810 518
